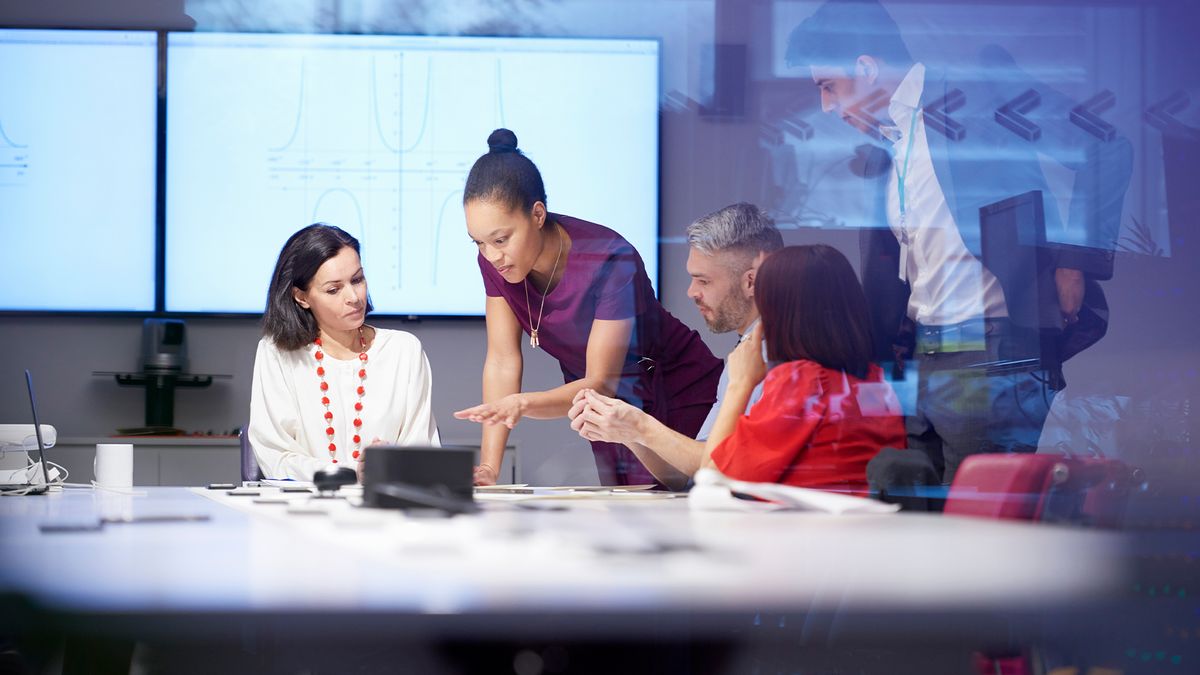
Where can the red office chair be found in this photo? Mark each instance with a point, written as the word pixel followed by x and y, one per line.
pixel 1043 488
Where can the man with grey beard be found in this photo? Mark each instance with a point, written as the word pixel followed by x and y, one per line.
pixel 727 247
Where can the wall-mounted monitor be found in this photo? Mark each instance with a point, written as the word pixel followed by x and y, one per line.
pixel 267 133
pixel 78 133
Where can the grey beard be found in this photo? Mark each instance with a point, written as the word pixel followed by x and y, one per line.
pixel 730 315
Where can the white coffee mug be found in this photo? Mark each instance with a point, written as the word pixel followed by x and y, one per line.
pixel 113 465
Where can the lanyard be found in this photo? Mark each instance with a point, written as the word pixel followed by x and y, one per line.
pixel 901 176
pixel 912 127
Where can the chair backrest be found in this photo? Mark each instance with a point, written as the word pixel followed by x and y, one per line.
pixel 1047 488
pixel 906 477
pixel 250 468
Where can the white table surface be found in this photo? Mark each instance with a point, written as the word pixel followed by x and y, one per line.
pixel 637 558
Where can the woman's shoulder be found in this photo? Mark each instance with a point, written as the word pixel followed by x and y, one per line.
pixel 396 340
pixel 799 368
pixel 800 376
pixel 589 237
pixel 269 352
pixel 810 369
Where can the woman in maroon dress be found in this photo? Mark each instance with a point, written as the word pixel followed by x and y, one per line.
pixel 580 292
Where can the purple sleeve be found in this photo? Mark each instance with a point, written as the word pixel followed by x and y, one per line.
pixel 616 296
pixel 489 277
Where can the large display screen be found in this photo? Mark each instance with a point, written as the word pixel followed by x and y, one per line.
pixel 376 134
pixel 77 169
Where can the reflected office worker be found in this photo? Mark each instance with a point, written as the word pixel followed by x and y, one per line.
pixel 580 291
pixel 935 299
pixel 825 410
pixel 324 381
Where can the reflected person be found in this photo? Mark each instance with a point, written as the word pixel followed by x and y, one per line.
pixel 932 295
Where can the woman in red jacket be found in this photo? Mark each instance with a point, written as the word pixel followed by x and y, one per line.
pixel 825 409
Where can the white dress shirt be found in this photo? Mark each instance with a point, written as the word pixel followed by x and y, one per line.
pixel 287 423
pixel 949 285
pixel 706 429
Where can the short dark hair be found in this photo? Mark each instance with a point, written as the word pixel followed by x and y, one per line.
pixel 289 325
pixel 813 307
pixel 505 175
pixel 842 30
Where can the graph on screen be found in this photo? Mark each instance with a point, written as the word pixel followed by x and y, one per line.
pixel 14 161
pixel 77 191
pixel 375 134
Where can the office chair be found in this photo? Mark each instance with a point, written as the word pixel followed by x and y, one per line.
pixel 1091 492
pixel 250 468
pixel 906 477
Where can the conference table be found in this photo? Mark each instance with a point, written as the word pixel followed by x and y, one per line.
pixel 571 566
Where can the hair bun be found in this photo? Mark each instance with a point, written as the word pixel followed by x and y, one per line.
pixel 502 140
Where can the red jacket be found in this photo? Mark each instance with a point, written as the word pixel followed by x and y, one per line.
pixel 813 427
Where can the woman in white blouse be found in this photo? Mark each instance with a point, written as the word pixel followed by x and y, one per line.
pixel 324 381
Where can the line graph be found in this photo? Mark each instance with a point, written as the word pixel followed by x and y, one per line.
pixel 358 216
pixel 437 233
pixel 299 111
pixel 376 134
pixel 14 161
pixel 8 141
pixel 399 176
pixel 400 127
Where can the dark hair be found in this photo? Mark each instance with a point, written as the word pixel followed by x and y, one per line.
pixel 842 30
pixel 505 175
pixel 289 325
pixel 813 308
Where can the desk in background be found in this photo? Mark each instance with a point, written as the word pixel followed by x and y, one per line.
pixel 185 460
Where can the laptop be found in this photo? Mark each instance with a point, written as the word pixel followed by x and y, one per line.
pixel 29 488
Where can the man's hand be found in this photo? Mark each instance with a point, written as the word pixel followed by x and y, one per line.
pixel 1070 293
pixel 600 418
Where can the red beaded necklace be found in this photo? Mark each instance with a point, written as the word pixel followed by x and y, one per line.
pixel 358 405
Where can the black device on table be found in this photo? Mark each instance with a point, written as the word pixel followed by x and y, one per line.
pixel 410 477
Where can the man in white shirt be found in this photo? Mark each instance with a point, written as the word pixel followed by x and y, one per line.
pixel 932 296
pixel 726 248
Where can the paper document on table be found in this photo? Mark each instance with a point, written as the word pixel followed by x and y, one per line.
pixel 564 490
pixel 286 483
pixel 717 492
pixel 605 488
pixel 500 488
pixel 586 493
